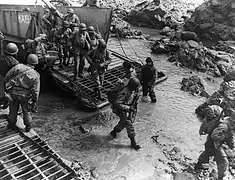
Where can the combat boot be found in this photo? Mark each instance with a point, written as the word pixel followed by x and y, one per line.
pixel 113 133
pixel 133 144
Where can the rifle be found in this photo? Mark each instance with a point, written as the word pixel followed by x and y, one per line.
pixel 134 104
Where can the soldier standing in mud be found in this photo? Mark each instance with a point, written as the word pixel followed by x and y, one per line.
pixel 220 135
pixel 62 37
pixel 99 60
pixel 122 108
pixel 72 18
pixel 148 77
pixel 22 84
pixel 80 41
pixel 7 62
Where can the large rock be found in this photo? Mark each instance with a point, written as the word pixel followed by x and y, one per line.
pixel 213 19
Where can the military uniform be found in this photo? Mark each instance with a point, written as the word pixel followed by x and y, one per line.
pixel 22 83
pixel 148 78
pixel 99 63
pixel 73 20
pixel 81 44
pixel 94 40
pixel 219 133
pixel 62 35
pixel 121 109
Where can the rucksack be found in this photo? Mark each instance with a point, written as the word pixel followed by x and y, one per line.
pixel 112 94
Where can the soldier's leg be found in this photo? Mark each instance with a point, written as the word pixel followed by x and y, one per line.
pixel 222 163
pixel 75 69
pixel 145 89
pixel 121 124
pixel 81 64
pixel 66 51
pixel 205 155
pixel 60 52
pixel 152 94
pixel 131 133
pixel 100 84
pixel 27 118
pixel 14 108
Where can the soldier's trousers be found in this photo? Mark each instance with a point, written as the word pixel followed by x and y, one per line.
pixel 63 52
pixel 149 90
pixel 124 122
pixel 14 108
pixel 219 155
pixel 79 63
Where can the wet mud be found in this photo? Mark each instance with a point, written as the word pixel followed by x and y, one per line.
pixel 167 131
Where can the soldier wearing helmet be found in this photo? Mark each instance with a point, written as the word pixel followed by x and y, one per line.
pixel 7 61
pixel 99 60
pixel 72 18
pixel 94 37
pixel 80 41
pixel 122 107
pixel 148 77
pixel 220 132
pixel 22 85
pixel 62 35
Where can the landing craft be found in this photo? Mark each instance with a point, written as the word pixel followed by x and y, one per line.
pixel 18 24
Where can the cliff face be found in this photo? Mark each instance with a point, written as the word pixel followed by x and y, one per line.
pixel 214 19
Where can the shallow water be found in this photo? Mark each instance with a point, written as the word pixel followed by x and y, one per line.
pixel 173 115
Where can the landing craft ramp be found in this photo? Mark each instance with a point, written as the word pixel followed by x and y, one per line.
pixel 29 157
pixel 83 88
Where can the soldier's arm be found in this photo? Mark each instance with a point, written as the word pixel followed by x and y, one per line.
pixel 120 102
pixel 88 56
pixel 107 58
pixel 44 19
pixel 88 38
pixel 36 89
pixel 10 74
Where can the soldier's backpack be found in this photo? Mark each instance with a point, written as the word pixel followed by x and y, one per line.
pixel 112 94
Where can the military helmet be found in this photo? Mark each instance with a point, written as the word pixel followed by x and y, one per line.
pixel 102 44
pixel 149 59
pixel 134 83
pixel 82 27
pixel 91 29
pixel 11 49
pixel 213 111
pixel 32 59
pixel 70 10
pixel 28 43
pixel 66 24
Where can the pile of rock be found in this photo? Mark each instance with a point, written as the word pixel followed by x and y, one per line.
pixel 194 86
pixel 158 14
pixel 214 19
pixel 224 97
pixel 190 53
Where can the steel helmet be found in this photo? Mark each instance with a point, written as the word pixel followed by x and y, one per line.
pixel 91 29
pixel 82 27
pixel 70 10
pixel 66 24
pixel 32 59
pixel 102 44
pixel 149 59
pixel 213 111
pixel 11 49
pixel 133 83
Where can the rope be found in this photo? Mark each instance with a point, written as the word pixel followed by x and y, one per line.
pixel 135 52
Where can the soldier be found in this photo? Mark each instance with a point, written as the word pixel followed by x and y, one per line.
pixel 99 60
pixel 148 77
pixel 62 37
pixel 7 62
pixel 22 84
pixel 80 41
pixel 50 21
pixel 94 37
pixel 90 3
pixel 220 132
pixel 122 109
pixel 38 47
pixel 129 72
pixel 72 18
